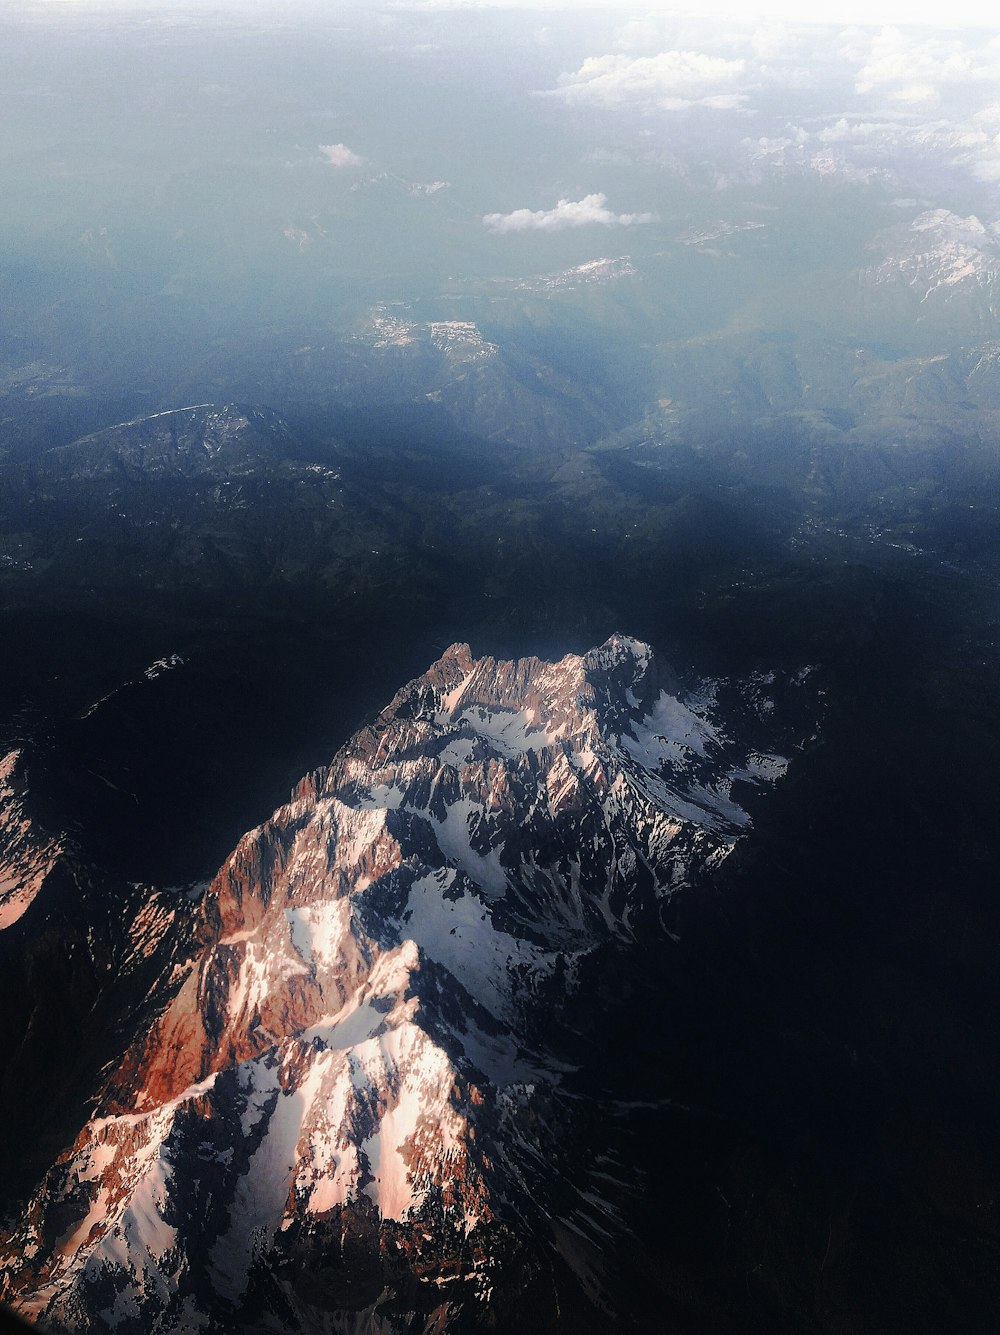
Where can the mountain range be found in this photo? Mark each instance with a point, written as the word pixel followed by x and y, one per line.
pixel 351 1085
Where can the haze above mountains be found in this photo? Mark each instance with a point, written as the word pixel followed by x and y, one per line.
pixel 329 340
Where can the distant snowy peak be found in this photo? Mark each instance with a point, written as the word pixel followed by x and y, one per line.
pixel 716 231
pixel 387 327
pixel 942 222
pixel 594 273
pixel 461 339
pixel 391 183
pixel 941 256
pixel 363 1025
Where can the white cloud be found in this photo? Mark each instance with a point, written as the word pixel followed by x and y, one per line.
pixel 989 115
pixel 567 213
pixel 339 155
pixel 671 80
pixel 987 171
pixel 899 140
pixel 916 95
pixel 717 102
pixel 776 41
pixel 914 70
pixel 640 33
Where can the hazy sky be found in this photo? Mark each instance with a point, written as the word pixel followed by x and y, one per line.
pixel 934 13
pixel 982 13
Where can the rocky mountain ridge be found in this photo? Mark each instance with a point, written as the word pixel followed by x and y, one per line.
pixel 202 439
pixel 27 851
pixel 947 262
pixel 355 1097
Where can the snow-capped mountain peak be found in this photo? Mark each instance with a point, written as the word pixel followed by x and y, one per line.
pixel 359 1034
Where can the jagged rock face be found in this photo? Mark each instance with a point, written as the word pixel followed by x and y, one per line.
pixel 84 960
pixel 356 1088
pixel 27 851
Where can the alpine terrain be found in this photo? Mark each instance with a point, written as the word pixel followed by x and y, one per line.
pixel 357 1091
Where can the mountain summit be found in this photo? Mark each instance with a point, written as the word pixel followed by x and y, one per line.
pixel 358 1099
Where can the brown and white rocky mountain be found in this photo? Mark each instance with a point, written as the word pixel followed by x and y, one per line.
pixel 349 1104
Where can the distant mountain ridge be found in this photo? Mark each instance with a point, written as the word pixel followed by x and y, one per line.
pixel 203 438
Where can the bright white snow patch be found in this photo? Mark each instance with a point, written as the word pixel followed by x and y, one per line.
pixel 459 933
pixel 669 727
pixel 454 840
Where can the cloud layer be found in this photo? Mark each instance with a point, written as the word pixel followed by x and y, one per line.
pixel 567 213
pixel 672 80
pixel 339 155
pixel 917 71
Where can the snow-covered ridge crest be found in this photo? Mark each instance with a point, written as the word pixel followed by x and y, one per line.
pixel 460 340
pixel 939 255
pixel 354 1038
pixel 593 273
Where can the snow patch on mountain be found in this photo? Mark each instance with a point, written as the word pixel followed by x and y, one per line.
pixel 594 273
pixel 941 254
pixel 459 340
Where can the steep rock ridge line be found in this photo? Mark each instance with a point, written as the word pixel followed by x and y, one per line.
pixel 363 1057
pixel 27 851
